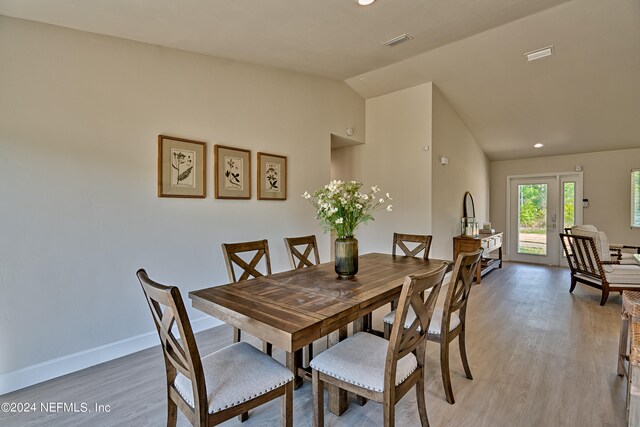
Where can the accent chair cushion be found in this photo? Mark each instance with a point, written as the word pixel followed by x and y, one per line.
pixel 235 374
pixel 360 360
pixel 624 275
pixel 436 320
pixel 601 243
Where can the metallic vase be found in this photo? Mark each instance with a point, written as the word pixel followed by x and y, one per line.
pixel 346 252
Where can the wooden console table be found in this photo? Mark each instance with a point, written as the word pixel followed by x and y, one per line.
pixel 489 242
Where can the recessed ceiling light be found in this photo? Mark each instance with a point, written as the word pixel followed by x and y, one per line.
pixel 538 145
pixel 365 2
pixel 539 53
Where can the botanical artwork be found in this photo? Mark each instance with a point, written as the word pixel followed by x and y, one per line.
pixel 272 177
pixel 233 173
pixel 181 167
pixel 183 163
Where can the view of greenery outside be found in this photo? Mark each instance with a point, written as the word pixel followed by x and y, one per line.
pixel 635 197
pixel 569 202
pixel 532 219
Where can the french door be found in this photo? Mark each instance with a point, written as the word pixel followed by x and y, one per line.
pixel 540 207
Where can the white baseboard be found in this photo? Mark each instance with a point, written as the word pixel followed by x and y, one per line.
pixel 54 368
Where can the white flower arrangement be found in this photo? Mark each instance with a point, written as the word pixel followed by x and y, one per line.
pixel 341 207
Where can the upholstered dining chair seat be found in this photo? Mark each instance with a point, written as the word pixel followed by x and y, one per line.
pixel 235 374
pixel 360 360
pixel 436 320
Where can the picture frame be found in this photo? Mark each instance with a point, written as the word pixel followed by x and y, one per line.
pixel 272 177
pixel 232 172
pixel 181 167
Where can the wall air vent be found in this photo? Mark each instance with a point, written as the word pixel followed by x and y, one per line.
pixel 397 40
pixel 539 53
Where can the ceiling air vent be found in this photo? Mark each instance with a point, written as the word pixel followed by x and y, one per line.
pixel 539 53
pixel 397 40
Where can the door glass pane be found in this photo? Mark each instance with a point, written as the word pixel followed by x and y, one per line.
pixel 569 204
pixel 532 219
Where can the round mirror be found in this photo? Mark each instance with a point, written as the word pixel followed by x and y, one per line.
pixel 468 206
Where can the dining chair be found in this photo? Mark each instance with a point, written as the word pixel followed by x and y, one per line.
pixel 300 258
pixel 423 241
pixel 400 241
pixel 377 369
pixel 231 251
pixel 449 322
pixel 221 385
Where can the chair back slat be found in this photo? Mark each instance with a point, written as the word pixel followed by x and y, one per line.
pixel 168 310
pixel 248 269
pixel 423 241
pixel 302 259
pixel 460 287
pixel 582 255
pixel 405 340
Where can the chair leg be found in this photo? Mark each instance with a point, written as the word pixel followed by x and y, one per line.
pixel 605 296
pixel 573 284
pixel 172 412
pixel 267 348
pixel 463 354
pixel 389 411
pixel 623 344
pixel 318 399
pixel 243 417
pixel 387 331
pixel 237 334
pixel 286 406
pixel 444 367
pixel 422 404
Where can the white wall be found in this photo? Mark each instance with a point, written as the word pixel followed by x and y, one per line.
pixel 468 170
pixel 607 185
pixel 79 118
pixel 398 126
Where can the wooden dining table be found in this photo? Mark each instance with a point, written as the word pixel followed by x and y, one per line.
pixel 294 308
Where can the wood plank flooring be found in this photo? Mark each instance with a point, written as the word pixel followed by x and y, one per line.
pixel 539 357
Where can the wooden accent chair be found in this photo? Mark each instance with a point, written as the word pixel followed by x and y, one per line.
pixel 449 321
pixel 299 260
pixel 615 250
pixel 249 270
pixel 221 385
pixel 381 370
pixel 590 263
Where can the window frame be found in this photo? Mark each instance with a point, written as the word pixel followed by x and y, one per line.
pixel 635 200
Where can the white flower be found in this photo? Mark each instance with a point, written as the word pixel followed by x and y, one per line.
pixel 358 205
pixel 365 197
pixel 339 221
pixel 375 189
pixel 390 208
pixel 381 200
pixel 389 197
pixel 306 195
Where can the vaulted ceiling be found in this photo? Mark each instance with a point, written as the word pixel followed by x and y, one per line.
pixel 586 97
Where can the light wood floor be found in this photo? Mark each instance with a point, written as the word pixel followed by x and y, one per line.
pixel 539 356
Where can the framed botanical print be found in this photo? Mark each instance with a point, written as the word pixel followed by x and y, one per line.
pixel 181 167
pixel 272 177
pixel 232 172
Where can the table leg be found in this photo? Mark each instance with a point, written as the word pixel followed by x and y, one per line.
pixel 338 402
pixel 294 361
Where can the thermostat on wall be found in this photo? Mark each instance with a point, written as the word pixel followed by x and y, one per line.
pixel 585 203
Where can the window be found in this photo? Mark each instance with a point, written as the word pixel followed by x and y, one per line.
pixel 635 198
pixel 569 207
